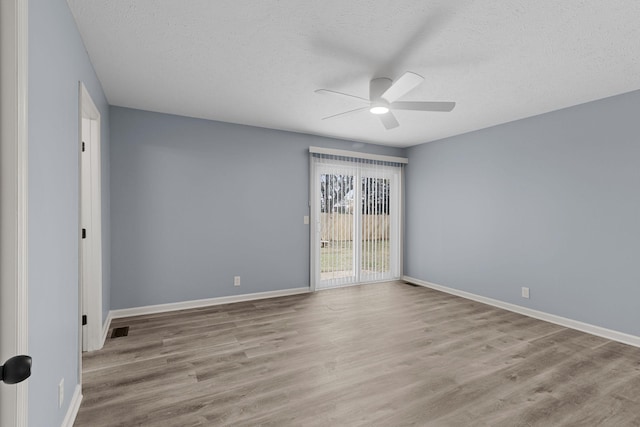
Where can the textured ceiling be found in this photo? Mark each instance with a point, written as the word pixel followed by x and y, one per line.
pixel 259 62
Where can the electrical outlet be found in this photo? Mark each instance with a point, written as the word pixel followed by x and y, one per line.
pixel 61 393
pixel 236 281
pixel 525 292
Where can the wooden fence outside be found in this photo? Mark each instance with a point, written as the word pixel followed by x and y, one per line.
pixel 339 226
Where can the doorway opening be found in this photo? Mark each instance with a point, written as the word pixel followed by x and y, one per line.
pixel 90 232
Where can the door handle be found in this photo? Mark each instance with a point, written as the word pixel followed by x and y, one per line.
pixel 16 369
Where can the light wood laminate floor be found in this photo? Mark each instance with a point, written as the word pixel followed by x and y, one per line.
pixel 387 354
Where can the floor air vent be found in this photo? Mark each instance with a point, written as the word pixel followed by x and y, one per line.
pixel 120 332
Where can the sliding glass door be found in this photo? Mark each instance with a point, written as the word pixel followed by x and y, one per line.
pixel 356 221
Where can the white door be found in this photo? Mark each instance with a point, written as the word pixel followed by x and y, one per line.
pixel 13 207
pixel 355 209
pixel 92 336
pixel 85 224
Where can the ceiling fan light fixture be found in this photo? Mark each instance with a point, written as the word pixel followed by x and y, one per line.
pixel 379 109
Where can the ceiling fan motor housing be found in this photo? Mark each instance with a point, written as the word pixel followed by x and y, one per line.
pixel 377 87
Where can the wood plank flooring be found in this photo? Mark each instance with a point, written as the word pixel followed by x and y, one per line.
pixel 387 354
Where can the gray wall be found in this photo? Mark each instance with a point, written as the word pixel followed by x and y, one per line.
pixel 57 61
pixel 550 202
pixel 196 202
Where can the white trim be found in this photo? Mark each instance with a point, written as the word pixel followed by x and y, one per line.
pixel 552 318
pixel 358 155
pixel 105 327
pixel 314 226
pixel 14 204
pixel 74 407
pixel 185 305
pixel 402 218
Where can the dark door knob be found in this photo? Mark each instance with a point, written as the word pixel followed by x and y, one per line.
pixel 16 369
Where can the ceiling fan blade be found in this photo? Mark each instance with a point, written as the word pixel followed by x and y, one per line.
pixel 423 106
pixel 403 85
pixel 333 92
pixel 389 120
pixel 346 113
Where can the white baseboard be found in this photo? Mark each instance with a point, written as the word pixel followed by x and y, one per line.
pixel 105 328
pixel 74 407
pixel 552 318
pixel 184 305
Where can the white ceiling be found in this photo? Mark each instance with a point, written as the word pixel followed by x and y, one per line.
pixel 259 62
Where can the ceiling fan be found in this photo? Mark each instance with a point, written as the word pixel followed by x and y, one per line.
pixel 383 99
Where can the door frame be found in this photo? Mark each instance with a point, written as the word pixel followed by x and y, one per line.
pixel 90 300
pixel 14 298
pixel 314 196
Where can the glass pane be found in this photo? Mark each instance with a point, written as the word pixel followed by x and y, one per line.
pixel 336 229
pixel 375 259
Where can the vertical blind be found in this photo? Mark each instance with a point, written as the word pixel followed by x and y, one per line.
pixel 356 213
